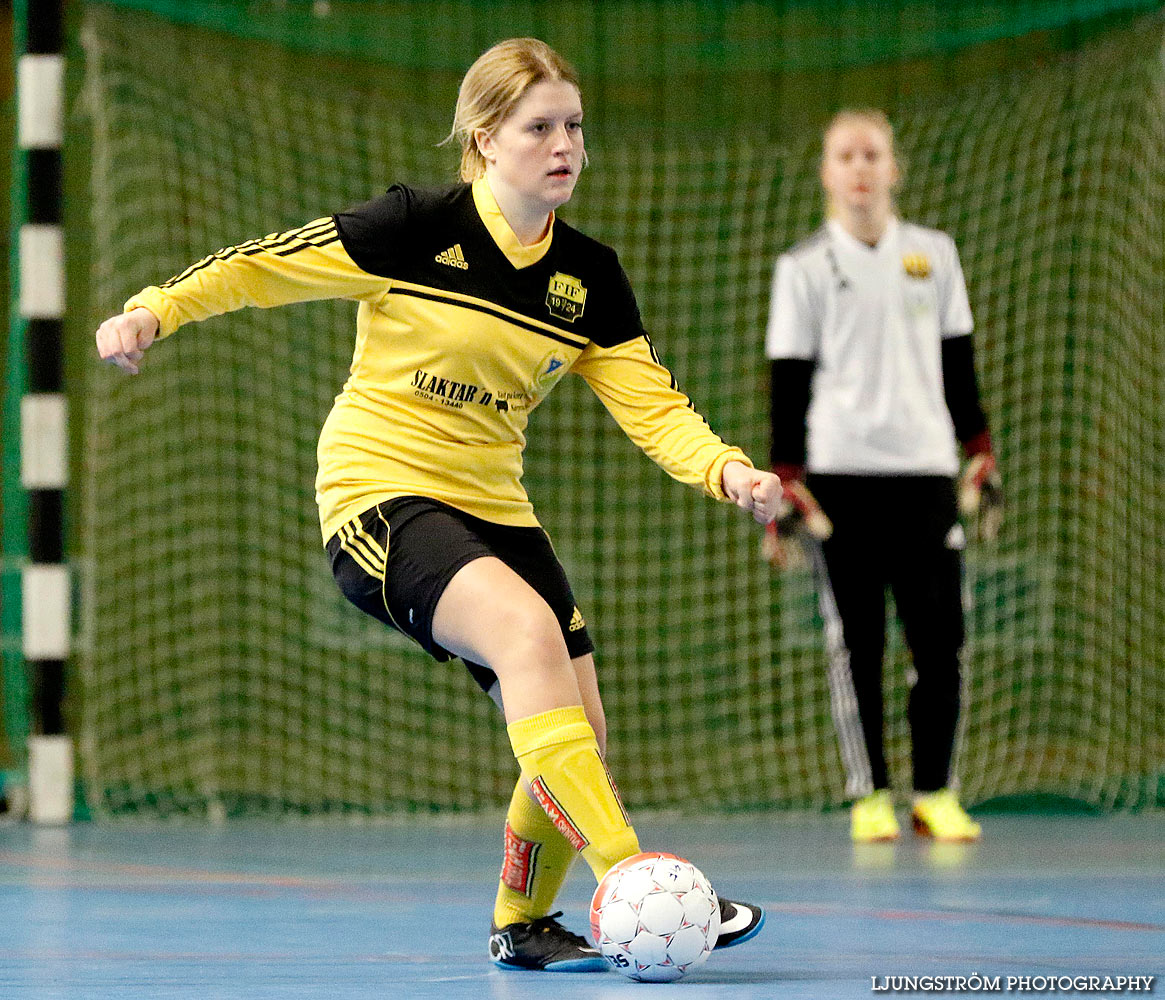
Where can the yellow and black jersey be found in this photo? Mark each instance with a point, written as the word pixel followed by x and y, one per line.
pixel 461 331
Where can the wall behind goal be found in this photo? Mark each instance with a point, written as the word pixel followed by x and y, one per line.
pixel 220 671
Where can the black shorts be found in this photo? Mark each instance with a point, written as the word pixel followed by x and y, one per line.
pixel 395 560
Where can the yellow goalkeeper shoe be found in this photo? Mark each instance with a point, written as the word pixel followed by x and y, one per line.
pixel 872 818
pixel 939 815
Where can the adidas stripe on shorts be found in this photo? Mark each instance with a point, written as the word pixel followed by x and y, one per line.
pixel 395 560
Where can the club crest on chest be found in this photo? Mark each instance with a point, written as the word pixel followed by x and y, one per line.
pixel 916 265
pixel 565 297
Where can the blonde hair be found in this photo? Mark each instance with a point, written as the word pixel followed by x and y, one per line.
pixel 875 117
pixel 492 88
pixel 860 116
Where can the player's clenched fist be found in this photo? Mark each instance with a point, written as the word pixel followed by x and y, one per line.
pixel 123 339
pixel 752 490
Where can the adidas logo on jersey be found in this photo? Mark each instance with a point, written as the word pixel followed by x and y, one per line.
pixel 576 621
pixel 453 257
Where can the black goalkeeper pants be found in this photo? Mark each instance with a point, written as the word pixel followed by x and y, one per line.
pixel 902 534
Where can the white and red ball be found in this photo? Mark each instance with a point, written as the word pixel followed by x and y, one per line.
pixel 654 917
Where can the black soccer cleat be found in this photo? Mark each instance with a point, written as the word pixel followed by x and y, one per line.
pixel 739 922
pixel 542 945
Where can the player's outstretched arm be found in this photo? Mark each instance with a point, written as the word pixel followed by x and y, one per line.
pixel 123 339
pixel 754 490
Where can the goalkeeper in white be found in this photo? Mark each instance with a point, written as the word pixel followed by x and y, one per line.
pixel 873 381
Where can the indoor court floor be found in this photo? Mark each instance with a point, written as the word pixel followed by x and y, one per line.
pixel 280 910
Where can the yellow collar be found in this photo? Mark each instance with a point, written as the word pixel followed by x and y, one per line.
pixel 503 235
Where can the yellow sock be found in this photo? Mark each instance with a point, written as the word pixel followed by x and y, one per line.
pixel 559 757
pixel 537 860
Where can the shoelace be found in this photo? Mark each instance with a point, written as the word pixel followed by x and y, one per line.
pixel 543 925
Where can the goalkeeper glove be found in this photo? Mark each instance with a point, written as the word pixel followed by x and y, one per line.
pixel 801 515
pixel 981 496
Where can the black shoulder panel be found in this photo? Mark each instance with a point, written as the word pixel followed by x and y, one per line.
pixel 380 235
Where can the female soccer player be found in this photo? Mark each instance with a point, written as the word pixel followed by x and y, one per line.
pixel 474 300
pixel 870 341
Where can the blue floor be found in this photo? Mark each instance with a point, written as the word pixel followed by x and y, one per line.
pixel 271 911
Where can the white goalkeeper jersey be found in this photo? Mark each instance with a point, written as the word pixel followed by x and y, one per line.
pixel 872 319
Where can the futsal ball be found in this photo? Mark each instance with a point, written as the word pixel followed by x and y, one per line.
pixel 654 917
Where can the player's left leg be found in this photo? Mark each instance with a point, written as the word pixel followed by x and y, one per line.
pixel 536 860
pixel 524 933
pixel 927 587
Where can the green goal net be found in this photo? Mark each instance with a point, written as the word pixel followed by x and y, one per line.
pixel 220 671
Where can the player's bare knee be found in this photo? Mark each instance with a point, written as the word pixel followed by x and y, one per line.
pixel 541 646
pixel 530 637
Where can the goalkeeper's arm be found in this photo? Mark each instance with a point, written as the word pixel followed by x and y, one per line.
pixel 980 486
pixel 789 390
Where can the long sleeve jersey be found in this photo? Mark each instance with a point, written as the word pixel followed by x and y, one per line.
pixel 460 332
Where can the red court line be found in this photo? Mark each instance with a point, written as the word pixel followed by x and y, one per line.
pixel 202 875
pixel 204 889
pixel 166 872
pixel 962 916
pixel 297 958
